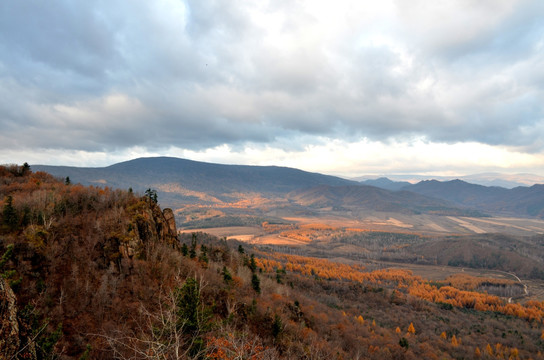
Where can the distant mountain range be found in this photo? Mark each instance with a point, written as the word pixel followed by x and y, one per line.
pixel 508 181
pixel 386 183
pixel 520 201
pixel 180 181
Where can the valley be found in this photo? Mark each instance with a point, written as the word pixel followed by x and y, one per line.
pixel 431 223
pixel 303 271
pixel 421 224
pixel 398 241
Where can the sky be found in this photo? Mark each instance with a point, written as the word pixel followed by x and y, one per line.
pixel 348 88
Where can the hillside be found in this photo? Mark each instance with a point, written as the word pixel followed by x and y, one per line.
pixel 239 195
pixel 181 181
pixel 92 273
pixel 385 183
pixel 519 201
pixel 374 199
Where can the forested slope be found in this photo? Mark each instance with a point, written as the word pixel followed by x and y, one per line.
pixel 96 273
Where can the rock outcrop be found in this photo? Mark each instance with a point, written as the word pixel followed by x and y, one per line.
pixel 10 336
pixel 171 222
pixel 150 224
pixel 9 326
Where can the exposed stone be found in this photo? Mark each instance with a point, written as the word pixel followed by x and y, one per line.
pixel 150 225
pixel 10 334
pixel 170 220
pixel 9 326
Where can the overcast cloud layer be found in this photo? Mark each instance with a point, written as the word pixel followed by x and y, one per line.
pixel 343 87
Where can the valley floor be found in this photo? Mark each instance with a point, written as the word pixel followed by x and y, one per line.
pixel 391 240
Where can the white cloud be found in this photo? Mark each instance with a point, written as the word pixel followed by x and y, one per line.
pixel 277 82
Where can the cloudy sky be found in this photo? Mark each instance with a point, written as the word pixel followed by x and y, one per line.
pixel 341 87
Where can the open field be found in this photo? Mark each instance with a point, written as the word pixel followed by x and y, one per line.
pixel 424 244
pixel 426 225
pixel 242 233
pixel 429 224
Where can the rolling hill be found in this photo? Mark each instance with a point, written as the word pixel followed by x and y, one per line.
pixel 183 181
pixel 180 182
pixel 372 198
pixel 386 183
pixel 519 201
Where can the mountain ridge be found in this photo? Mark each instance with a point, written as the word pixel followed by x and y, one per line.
pixel 508 181
pixel 182 181
pixel 217 180
pixel 521 200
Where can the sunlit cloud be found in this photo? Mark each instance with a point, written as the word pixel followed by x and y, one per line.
pixel 345 87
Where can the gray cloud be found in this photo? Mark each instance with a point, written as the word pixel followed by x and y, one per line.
pixel 101 76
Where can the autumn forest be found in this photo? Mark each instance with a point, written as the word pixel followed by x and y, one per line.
pixel 92 272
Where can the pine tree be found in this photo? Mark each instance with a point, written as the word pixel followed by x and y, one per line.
pixel 256 283
pixel 252 264
pixel 227 277
pixel 151 195
pixel 26 169
pixel 184 250
pixel 277 326
pixel 203 254
pixel 9 214
pixel 192 251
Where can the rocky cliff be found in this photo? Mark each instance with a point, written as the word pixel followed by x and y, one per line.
pixel 12 340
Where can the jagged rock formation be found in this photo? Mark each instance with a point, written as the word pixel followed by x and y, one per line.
pixel 10 337
pixel 171 221
pixel 9 327
pixel 149 224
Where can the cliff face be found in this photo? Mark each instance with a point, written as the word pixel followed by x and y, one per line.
pixel 9 327
pixel 10 337
pixel 149 225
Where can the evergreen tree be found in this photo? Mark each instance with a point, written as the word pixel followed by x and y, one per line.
pixel 277 326
pixel 203 254
pixel 189 306
pixel 252 264
pixel 192 251
pixel 193 316
pixel 256 283
pixel 279 273
pixel 26 169
pixel 151 195
pixel 9 214
pixel 227 277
